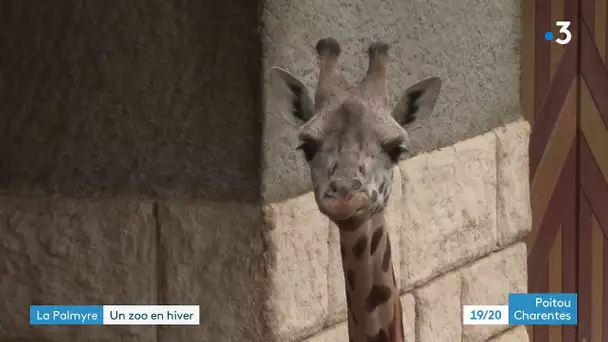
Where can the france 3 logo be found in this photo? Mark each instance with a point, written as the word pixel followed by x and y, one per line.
pixel 564 37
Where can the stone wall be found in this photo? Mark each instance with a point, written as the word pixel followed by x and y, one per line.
pixel 457 217
pixel 143 161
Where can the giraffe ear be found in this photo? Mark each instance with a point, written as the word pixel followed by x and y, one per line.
pixel 417 101
pixel 301 106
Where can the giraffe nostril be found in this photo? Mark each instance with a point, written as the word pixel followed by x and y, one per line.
pixel 362 169
pixel 333 186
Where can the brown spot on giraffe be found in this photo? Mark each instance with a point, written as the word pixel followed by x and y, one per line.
pixel 382 336
pixel 379 294
pixel 376 240
pixel 362 169
pixel 359 247
pixel 351 138
pixel 347 225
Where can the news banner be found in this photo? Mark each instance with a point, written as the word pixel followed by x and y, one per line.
pixel 526 309
pixel 522 309
pixel 114 315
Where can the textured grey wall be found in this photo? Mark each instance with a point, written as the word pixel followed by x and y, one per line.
pixel 163 98
pixel 473 45
pixel 153 98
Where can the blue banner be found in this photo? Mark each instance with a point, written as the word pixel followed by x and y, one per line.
pixel 114 315
pixel 543 308
pixel 66 315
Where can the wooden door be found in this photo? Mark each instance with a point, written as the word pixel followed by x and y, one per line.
pixel 565 98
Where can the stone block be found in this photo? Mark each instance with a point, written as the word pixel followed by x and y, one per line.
pixel 408 304
pixel 489 281
pixel 335 333
pixel 449 208
pixel 517 334
pixel 215 254
pixel 394 216
pixel 298 271
pixel 75 252
pixel 439 310
pixel 513 196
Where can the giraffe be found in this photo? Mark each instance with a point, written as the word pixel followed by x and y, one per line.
pixel 351 139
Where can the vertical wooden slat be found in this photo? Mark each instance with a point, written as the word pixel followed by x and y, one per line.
pixel 570 223
pixel 606 37
pixel 555 264
pixel 601 16
pixel 605 288
pixel 542 332
pixel 557 13
pixel 528 9
pixel 569 242
pixel 555 279
pixel 592 68
pixel 597 279
pixel 587 12
pixel 584 269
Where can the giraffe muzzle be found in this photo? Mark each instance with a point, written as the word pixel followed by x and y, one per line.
pixel 339 208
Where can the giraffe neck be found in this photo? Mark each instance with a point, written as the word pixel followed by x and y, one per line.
pixel 372 296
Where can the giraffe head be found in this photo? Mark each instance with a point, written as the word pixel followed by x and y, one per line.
pixel 350 135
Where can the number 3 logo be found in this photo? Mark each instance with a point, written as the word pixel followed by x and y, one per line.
pixel 563 28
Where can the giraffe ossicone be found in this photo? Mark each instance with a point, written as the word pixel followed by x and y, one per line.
pixel 352 138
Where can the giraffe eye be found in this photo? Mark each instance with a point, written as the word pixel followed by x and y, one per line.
pixel 395 152
pixel 309 148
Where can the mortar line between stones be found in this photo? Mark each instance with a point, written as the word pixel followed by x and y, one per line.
pixel 460 295
pixel 497 192
pixel 498 334
pixel 417 312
